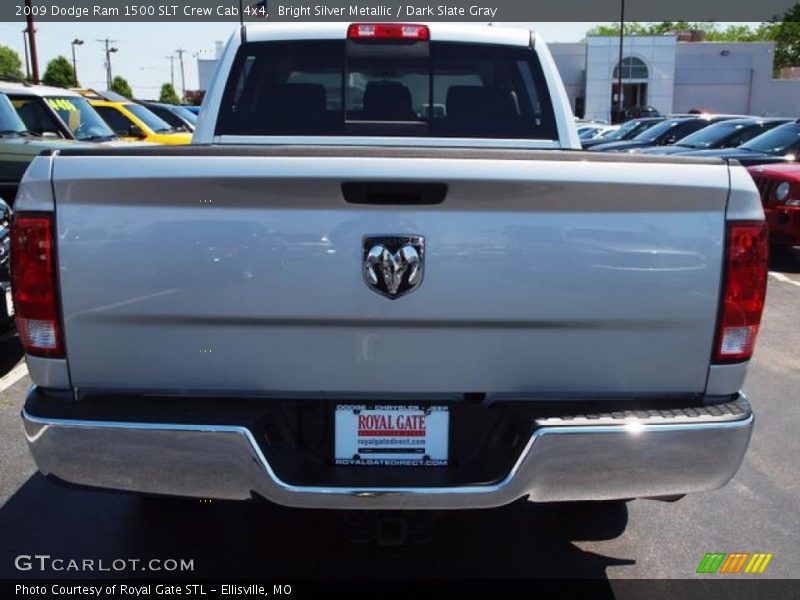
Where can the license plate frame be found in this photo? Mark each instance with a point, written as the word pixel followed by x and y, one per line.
pixel 391 435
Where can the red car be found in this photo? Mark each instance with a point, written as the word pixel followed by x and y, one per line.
pixel 779 186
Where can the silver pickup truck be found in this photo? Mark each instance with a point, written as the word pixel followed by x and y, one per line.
pixel 384 277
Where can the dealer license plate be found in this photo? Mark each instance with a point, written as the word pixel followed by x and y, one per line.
pixel 392 435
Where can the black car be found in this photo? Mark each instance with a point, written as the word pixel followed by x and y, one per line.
pixel 635 112
pixel 667 132
pixel 6 304
pixel 725 134
pixel 626 131
pixel 781 144
pixel 176 117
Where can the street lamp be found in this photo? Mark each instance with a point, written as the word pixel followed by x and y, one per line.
pixel 75 42
pixel 619 65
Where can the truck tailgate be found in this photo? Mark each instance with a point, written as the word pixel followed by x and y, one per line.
pixel 242 271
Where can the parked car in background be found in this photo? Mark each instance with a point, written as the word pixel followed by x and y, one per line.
pixel 635 112
pixel 626 131
pixel 779 186
pixel 780 145
pixel 592 132
pixel 6 301
pixel 193 109
pixel 132 121
pixel 18 147
pixel 177 116
pixel 57 113
pixel 667 132
pixel 725 134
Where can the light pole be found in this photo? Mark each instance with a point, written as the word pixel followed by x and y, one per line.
pixel 75 42
pixel 180 52
pixel 27 60
pixel 619 65
pixel 32 42
pixel 171 58
pixel 109 51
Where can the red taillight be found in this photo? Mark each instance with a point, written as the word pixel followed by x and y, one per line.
pixel 33 283
pixel 388 31
pixel 744 291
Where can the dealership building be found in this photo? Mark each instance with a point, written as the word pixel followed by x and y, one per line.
pixel 675 76
pixel 669 72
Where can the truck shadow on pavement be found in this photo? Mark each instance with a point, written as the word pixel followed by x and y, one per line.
pixel 228 539
pixel 10 355
pixel 784 260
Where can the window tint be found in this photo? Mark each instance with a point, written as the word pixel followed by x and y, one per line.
pixel 115 119
pixel 186 114
pixel 671 128
pixel 151 121
pixel 36 116
pixel 419 89
pixel 9 119
pixel 167 115
pixel 82 120
pixel 710 136
pixel 780 140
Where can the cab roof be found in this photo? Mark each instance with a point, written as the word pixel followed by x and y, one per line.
pixel 43 91
pixel 475 33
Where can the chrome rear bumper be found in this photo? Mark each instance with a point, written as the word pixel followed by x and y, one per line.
pixel 593 457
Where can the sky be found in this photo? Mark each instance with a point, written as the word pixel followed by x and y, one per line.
pixel 144 48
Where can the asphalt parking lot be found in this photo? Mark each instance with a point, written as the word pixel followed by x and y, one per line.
pixel 758 511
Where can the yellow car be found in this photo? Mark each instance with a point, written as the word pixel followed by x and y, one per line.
pixel 131 121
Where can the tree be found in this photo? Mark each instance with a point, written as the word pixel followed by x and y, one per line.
pixel 121 86
pixel 168 94
pixel 10 64
pixel 59 73
pixel 713 33
pixel 786 34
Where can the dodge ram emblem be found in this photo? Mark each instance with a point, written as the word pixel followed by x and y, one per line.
pixel 394 264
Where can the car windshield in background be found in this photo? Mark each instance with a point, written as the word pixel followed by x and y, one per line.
pixel 165 113
pixel 186 114
pixel 10 123
pixel 427 89
pixel 780 140
pixel 713 135
pixel 82 120
pixel 656 131
pixel 146 116
pixel 627 130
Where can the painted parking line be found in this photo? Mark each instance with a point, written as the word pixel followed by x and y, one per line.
pixel 13 376
pixel 783 278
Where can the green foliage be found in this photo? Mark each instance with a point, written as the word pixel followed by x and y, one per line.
pixel 783 30
pixel 59 73
pixel 786 34
pixel 121 86
pixel 10 64
pixel 168 94
pixel 713 32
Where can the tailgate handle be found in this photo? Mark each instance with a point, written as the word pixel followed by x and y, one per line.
pixel 393 192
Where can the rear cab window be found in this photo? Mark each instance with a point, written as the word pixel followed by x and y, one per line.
pixel 386 88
